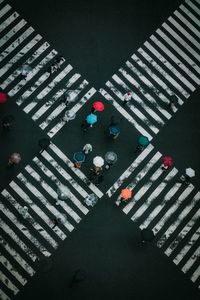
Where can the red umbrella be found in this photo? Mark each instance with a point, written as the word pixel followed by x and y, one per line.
pixel 167 161
pixel 98 106
pixel 3 97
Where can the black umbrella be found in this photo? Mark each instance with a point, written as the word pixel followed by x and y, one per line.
pixel 147 235
pixel 44 143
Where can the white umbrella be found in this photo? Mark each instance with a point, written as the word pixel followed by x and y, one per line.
pixel 98 161
pixel 190 172
pixel 111 157
pixel 63 192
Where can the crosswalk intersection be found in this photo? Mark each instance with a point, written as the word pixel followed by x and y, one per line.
pixel 167 64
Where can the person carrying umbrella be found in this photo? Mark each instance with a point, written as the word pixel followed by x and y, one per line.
pixel 189 173
pixel 167 162
pixel 43 144
pixel 14 159
pixel 110 158
pixel 90 120
pixel 7 121
pixel 127 98
pixel 125 195
pixel 97 106
pixel 114 129
pixel 143 142
pixel 3 97
pixel 147 235
pixel 79 158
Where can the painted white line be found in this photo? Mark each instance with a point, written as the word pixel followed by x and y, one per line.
pixel 24 230
pixel 8 21
pixel 139 177
pixel 169 66
pixel 29 61
pixel 8 283
pixel 191 261
pixel 130 170
pixel 43 200
pixel 5 262
pixel 166 235
pixel 49 103
pixel 142 91
pixel 194 7
pixel 187 23
pixel 12 32
pixel 175 59
pixel 74 110
pixel 140 211
pixel 17 257
pixel 20 54
pixel 136 111
pixel 3 296
pixel 138 100
pixel 187 247
pixel 178 50
pixel 172 209
pixel 78 172
pixel 47 89
pixel 125 114
pixel 39 82
pixel 4 10
pixel 159 207
pixel 196 274
pixel 190 15
pixel 37 210
pixel 161 71
pixel 181 41
pixel 182 234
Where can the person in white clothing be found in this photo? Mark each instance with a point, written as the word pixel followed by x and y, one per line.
pixel 127 97
pixel 87 148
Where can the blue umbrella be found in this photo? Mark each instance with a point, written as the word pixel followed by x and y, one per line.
pixel 91 119
pixel 79 156
pixel 143 140
pixel 114 130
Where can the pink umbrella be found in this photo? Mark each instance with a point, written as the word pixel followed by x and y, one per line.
pixel 3 97
pixel 98 106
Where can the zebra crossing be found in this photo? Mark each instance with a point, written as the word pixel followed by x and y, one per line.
pixel 36 187
pixel 167 64
pixel 165 205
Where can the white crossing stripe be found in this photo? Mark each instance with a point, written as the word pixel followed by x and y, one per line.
pixel 196 274
pixel 187 23
pixel 3 296
pixel 178 221
pixel 6 263
pixel 4 10
pixel 8 283
pixel 173 208
pixel 12 32
pixel 17 257
pixel 175 59
pixel 74 110
pixel 194 7
pixel 130 170
pixel 153 196
pixel 9 20
pixel 78 172
pixel 138 100
pixel 190 15
pixel 187 247
pixel 125 114
pixel 191 261
pixel 182 234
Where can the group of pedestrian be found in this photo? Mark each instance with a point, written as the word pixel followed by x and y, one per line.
pixel 56 66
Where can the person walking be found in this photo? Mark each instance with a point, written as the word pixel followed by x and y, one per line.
pixel 147 235
pixel 56 66
pixel 14 159
pixel 78 277
pixel 44 144
pixel 167 162
pixel 24 211
pixel 7 122
pixel 3 97
pixel 127 98
pixel 87 148
pixel 56 221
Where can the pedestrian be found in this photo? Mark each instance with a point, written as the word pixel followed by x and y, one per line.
pixel 25 70
pixel 56 66
pixel 7 121
pixel 114 129
pixel 79 276
pixel 87 148
pixel 23 211
pixel 167 162
pixel 91 199
pixel 143 142
pixel 44 144
pixel 147 235
pixel 185 179
pixel 173 101
pixel 14 159
pixel 56 221
pixel 97 106
pixel 68 116
pixel 127 98
pixel 125 195
pixel 85 125
pixel 3 97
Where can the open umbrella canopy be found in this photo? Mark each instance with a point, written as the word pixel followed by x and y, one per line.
pixel 63 192
pixel 167 161
pixel 98 161
pixel 91 119
pixel 71 95
pixel 99 106
pixel 114 129
pixel 110 157
pixel 190 172
pixel 3 97
pixel 79 156
pixel 147 235
pixel 143 140
pixel 126 193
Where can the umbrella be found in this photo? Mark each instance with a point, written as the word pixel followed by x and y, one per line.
pixel 25 69
pixel 16 158
pixel 98 161
pixel 63 192
pixel 167 161
pixel 98 106
pixel 79 156
pixel 126 194
pixel 91 119
pixel 111 157
pixel 190 172
pixel 71 96
pixel 143 140
pixel 3 97
pixel 114 130
pixel 147 235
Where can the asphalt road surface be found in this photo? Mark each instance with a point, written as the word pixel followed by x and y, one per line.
pixel 150 48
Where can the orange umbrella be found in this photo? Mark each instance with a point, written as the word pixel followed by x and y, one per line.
pixel 126 194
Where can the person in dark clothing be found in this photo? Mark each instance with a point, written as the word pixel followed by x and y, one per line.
pixel 79 276
pixel 44 144
pixel 7 121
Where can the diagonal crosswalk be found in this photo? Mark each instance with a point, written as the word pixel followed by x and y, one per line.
pixel 25 239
